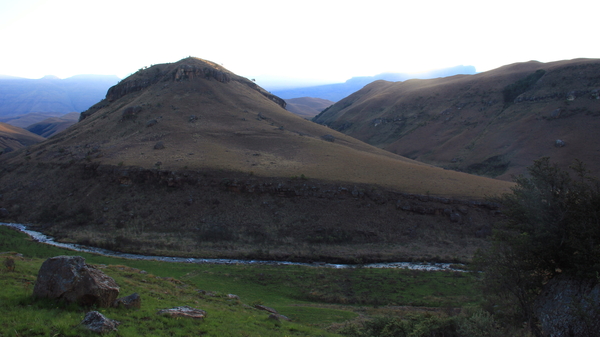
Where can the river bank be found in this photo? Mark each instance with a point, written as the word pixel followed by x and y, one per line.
pixel 40 237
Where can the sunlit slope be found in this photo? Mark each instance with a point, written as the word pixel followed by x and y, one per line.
pixel 493 123
pixel 13 138
pixel 194 114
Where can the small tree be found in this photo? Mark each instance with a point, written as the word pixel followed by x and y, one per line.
pixel 552 227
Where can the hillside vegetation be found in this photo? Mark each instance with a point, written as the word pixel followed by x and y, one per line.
pixel 494 123
pixel 319 301
pixel 188 158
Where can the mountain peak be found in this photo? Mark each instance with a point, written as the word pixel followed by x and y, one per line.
pixel 187 69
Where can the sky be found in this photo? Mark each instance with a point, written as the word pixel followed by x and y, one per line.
pixel 312 42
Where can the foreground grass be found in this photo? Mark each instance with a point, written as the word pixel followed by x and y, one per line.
pixel 315 298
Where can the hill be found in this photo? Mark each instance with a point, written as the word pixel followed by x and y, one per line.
pixel 493 123
pixel 20 96
pixel 53 125
pixel 26 120
pixel 189 158
pixel 307 107
pixel 13 138
pixel 337 91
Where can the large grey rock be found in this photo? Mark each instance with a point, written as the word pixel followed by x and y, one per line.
pixel 69 278
pixel 569 307
pixel 98 323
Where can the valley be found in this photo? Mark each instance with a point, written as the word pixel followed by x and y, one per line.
pixel 192 161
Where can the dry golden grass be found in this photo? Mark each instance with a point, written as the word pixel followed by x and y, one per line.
pixel 15 138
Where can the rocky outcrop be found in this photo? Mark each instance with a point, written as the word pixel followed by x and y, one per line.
pixel 191 72
pixel 70 279
pixel 98 323
pixel 189 69
pixel 569 307
pixel 183 311
pixel 133 301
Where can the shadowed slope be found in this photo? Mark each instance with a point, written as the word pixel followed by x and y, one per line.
pixel 53 125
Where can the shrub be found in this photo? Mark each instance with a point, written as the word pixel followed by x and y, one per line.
pixel 552 227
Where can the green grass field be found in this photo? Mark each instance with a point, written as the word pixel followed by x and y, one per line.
pixel 316 299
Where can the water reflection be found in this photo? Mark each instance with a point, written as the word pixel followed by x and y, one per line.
pixel 39 237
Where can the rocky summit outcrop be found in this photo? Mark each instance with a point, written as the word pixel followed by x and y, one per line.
pixel 70 279
pixel 569 307
pixel 189 69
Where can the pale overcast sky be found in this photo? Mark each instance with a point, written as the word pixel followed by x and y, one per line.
pixel 328 41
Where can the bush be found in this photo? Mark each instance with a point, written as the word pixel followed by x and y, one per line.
pixel 552 227
pixel 481 324
pixel 415 325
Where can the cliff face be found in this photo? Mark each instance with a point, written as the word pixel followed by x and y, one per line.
pixel 190 69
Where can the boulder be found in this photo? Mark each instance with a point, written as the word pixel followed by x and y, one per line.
pixel 159 146
pixel 569 307
pixel 559 143
pixel 70 279
pixel 183 311
pixel 98 323
pixel 129 302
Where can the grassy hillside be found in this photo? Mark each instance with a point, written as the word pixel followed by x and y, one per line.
pixel 493 123
pixel 189 158
pixel 13 138
pixel 317 300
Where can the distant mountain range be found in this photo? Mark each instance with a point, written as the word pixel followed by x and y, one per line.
pixel 493 123
pixel 20 96
pixel 337 91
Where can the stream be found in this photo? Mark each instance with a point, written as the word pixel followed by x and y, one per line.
pixel 42 238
